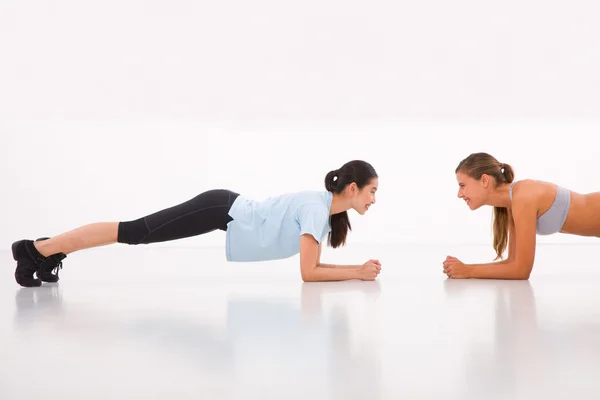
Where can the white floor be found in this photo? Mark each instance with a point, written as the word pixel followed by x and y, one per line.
pixel 156 323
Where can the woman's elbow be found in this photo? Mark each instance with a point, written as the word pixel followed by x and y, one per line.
pixel 520 269
pixel 523 274
pixel 308 276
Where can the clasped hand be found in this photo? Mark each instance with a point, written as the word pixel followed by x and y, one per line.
pixel 455 268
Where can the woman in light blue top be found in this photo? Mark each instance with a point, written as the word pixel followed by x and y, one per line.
pixel 522 210
pixel 275 228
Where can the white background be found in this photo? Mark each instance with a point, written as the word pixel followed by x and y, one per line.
pixel 116 109
pixel 110 110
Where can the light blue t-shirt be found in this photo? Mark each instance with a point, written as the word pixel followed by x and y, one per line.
pixel 271 229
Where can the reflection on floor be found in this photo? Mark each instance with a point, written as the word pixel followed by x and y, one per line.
pixel 146 324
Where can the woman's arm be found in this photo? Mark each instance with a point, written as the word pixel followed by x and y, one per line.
pixel 313 271
pixel 512 243
pixel 310 255
pixel 522 242
pixel 333 265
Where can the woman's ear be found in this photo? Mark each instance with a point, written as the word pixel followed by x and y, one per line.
pixel 485 180
pixel 353 188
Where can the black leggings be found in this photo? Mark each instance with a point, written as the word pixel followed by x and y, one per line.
pixel 204 213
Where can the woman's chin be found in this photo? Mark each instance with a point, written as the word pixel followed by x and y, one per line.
pixel 473 206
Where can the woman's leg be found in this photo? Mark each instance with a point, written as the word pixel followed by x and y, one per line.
pixel 204 213
pixel 85 237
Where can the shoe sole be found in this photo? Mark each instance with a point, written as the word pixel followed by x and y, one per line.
pixel 14 252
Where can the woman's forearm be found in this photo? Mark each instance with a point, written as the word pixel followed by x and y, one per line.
pixel 338 266
pixel 322 274
pixel 497 270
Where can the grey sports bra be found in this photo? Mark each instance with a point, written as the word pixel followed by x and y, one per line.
pixel 552 220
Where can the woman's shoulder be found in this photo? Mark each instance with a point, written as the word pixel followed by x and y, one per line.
pixel 313 198
pixel 529 186
pixel 531 190
pixel 523 184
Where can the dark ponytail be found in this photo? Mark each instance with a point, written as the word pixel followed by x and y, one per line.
pixel 331 180
pixel 357 171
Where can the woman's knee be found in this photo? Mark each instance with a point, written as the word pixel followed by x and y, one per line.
pixel 132 232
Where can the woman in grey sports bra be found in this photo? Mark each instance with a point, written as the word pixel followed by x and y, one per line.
pixel 522 210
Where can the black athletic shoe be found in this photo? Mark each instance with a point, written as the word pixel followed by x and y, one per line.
pixel 52 275
pixel 29 261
